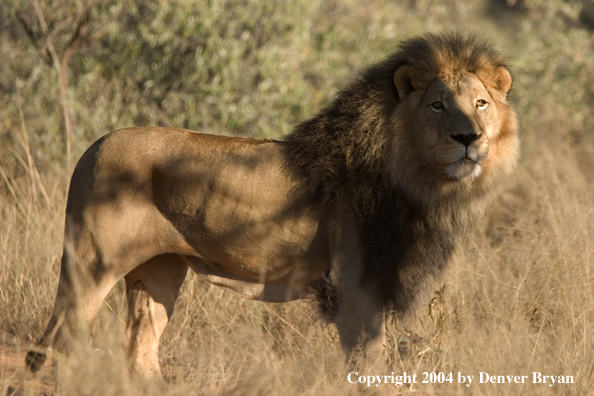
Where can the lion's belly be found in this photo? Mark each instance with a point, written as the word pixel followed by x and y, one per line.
pixel 262 246
pixel 257 275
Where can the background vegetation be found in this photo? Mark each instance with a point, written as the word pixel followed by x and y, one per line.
pixel 518 299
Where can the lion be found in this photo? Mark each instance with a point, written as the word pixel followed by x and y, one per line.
pixel 361 206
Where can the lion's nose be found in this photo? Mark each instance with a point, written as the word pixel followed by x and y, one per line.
pixel 466 139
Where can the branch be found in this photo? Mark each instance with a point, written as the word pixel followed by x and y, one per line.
pixel 79 37
pixel 62 77
pixel 40 16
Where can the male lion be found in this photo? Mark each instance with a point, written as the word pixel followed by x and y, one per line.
pixel 362 205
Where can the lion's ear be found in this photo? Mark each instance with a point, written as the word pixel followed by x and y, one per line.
pixel 403 80
pixel 503 80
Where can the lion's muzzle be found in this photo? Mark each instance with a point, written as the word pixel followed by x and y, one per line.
pixel 466 139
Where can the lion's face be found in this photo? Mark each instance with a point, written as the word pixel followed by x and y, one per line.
pixel 457 117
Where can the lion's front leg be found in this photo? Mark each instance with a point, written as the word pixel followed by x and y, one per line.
pixel 361 326
pixel 359 317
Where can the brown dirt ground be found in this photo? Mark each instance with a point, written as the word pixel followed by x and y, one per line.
pixel 16 380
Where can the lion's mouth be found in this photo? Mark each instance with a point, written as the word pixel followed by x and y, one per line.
pixel 464 167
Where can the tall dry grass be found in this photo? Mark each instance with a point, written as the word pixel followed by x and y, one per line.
pixel 518 299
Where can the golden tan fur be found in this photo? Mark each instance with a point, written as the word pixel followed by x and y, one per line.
pixel 361 205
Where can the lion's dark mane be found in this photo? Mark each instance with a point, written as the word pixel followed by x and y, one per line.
pixel 341 155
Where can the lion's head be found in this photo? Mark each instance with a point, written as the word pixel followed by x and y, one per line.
pixel 452 102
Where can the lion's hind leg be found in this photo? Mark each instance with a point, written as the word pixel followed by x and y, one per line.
pixel 151 289
pixel 78 300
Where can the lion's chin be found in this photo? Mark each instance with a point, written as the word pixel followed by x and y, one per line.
pixel 463 168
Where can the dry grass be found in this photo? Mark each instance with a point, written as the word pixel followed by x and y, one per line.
pixel 518 299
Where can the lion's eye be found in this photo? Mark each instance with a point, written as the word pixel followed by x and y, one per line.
pixel 481 104
pixel 437 106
